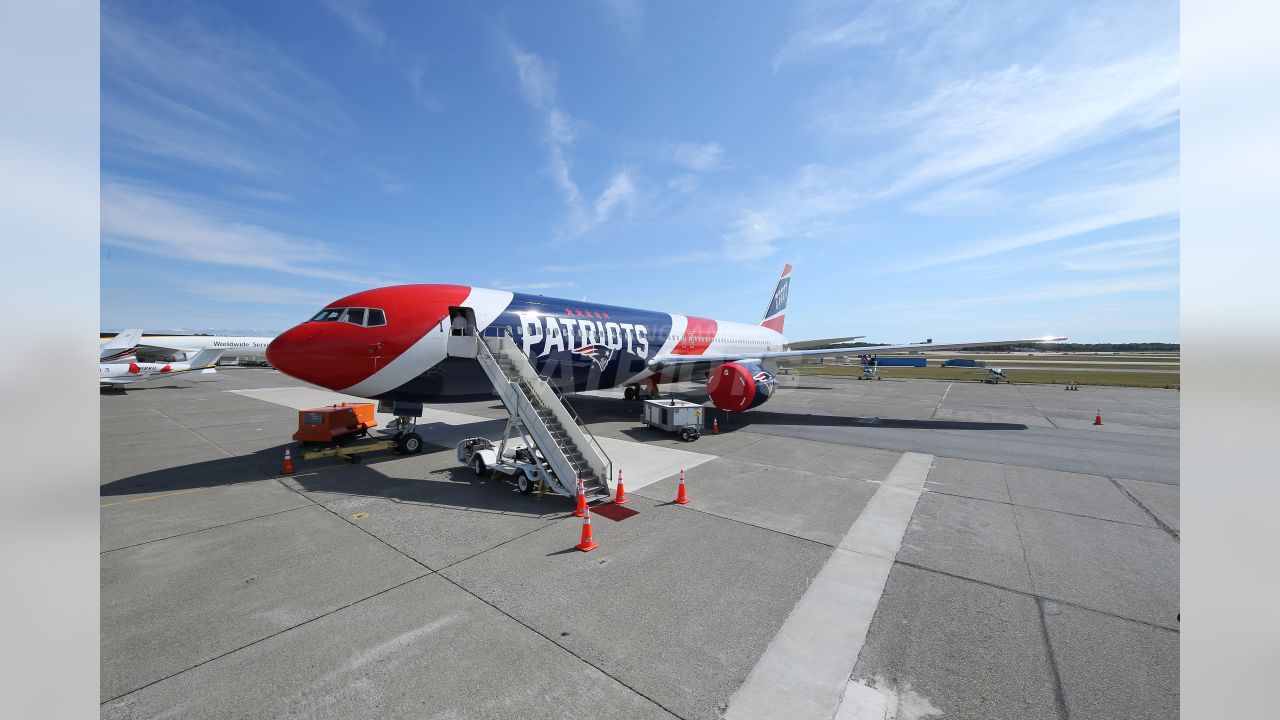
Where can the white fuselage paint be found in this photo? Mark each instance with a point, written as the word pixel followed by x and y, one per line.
pixel 235 346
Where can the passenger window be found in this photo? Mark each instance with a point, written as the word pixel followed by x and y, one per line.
pixel 355 316
pixel 375 318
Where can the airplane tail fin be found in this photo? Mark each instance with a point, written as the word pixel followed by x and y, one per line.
pixel 206 358
pixel 777 312
pixel 120 346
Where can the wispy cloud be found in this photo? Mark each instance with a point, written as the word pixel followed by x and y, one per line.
pixel 259 293
pixel 538 87
pixel 355 14
pixel 374 32
pixel 823 29
pixel 170 225
pixel 1078 290
pixel 628 15
pixel 203 93
pixel 1091 210
pixel 697 156
pixel 1009 119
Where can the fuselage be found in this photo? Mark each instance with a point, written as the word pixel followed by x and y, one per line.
pixel 235 346
pixel 394 342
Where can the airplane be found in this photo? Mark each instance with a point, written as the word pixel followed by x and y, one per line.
pixel 120 347
pixel 119 374
pixel 394 343
pixel 251 348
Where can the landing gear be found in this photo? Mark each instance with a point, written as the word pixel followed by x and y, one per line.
pixel 641 392
pixel 408 441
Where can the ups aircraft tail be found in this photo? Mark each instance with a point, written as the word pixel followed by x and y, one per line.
pixel 777 312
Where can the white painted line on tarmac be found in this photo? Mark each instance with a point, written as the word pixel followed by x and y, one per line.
pixel 804 673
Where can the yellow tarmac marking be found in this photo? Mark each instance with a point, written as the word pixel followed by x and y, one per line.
pixel 152 497
pixel 360 516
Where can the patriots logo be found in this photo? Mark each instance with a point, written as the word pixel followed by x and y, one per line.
pixel 599 354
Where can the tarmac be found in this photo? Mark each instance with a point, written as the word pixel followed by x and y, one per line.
pixel 892 549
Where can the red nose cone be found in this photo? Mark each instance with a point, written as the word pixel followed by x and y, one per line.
pixel 330 355
pixel 339 355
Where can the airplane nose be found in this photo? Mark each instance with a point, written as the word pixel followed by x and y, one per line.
pixel 320 356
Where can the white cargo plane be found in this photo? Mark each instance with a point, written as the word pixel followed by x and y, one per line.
pixel 233 346
pixel 118 374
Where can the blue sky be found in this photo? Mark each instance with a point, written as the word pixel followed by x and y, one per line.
pixel 954 170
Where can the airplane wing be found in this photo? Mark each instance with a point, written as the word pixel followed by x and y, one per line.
pixel 699 362
pixel 205 358
pixel 822 342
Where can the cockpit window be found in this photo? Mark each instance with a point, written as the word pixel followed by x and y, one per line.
pixel 364 317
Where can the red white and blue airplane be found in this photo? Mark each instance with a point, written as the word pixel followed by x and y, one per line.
pixel 392 343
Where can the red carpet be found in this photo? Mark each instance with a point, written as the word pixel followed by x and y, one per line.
pixel 614 511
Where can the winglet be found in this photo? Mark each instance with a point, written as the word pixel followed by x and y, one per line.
pixel 119 347
pixel 777 312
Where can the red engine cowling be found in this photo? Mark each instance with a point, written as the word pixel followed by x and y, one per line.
pixel 739 386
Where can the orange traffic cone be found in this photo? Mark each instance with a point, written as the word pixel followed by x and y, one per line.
pixel 582 500
pixel 621 498
pixel 288 463
pixel 1097 419
pixel 586 544
pixel 681 497
pixel 715 426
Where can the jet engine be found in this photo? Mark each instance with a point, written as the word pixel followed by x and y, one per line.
pixel 738 386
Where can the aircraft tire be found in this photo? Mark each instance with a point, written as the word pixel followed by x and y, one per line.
pixel 412 443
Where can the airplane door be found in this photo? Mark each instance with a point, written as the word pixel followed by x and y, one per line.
pixel 462 332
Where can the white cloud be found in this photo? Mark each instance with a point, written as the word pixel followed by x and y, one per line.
pixel 1010 119
pixel 869 27
pixel 169 225
pixel 824 30
pixel 354 14
pixel 699 157
pixel 206 93
pixel 621 192
pixel 628 15
pixel 538 86
pixel 260 293
pixel 1090 210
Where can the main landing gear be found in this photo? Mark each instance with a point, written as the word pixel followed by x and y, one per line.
pixel 641 392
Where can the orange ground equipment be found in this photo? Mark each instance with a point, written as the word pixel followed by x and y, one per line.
pixel 335 422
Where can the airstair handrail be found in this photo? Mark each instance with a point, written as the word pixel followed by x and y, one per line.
pixel 500 331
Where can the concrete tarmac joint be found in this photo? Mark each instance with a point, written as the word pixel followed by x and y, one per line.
pixel 805 670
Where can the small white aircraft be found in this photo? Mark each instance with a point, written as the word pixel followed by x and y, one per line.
pixel 121 347
pixel 120 374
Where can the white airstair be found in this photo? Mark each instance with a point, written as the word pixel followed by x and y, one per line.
pixel 551 424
